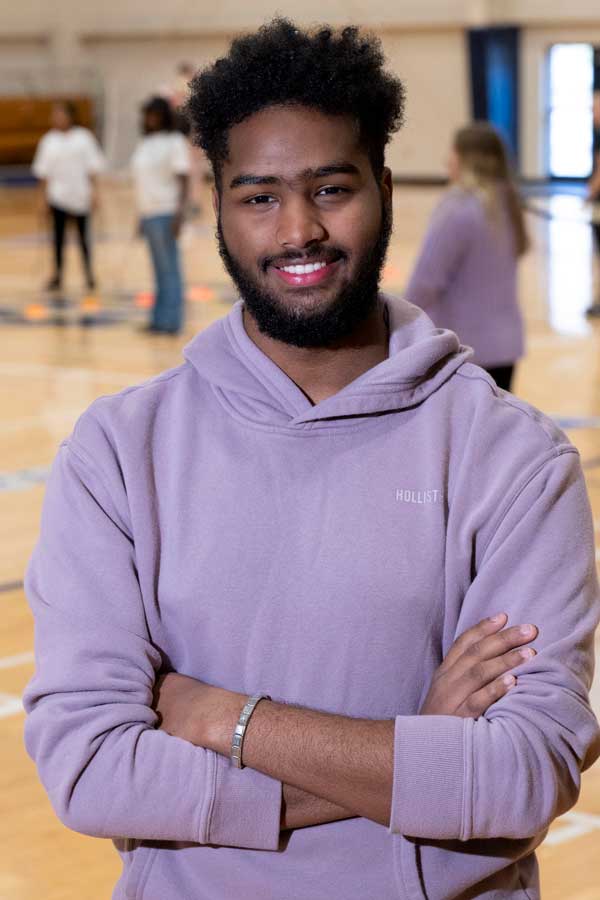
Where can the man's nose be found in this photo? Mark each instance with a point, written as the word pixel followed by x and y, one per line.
pixel 299 224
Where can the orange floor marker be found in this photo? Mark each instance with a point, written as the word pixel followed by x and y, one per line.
pixel 90 304
pixel 199 293
pixel 144 300
pixel 36 312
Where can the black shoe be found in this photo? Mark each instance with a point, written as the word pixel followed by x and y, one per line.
pixel 593 311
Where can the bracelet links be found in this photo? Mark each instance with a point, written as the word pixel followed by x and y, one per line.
pixel 237 741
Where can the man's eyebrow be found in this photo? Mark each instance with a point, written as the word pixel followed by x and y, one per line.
pixel 335 169
pixel 322 172
pixel 241 180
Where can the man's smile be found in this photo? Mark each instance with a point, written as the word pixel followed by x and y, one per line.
pixel 307 274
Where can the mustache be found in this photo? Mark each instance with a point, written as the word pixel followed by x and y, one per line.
pixel 323 254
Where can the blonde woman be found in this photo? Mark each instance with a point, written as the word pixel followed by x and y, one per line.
pixel 466 274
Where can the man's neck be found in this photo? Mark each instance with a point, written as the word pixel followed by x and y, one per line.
pixel 322 372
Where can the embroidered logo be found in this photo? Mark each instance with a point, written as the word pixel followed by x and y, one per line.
pixel 405 495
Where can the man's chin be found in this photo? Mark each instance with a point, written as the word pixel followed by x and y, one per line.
pixel 304 303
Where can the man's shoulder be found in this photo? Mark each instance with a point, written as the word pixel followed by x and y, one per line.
pixel 133 409
pixel 500 420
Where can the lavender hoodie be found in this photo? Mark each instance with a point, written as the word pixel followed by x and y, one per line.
pixel 213 522
pixel 466 278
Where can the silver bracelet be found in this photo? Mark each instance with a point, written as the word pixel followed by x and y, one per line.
pixel 237 741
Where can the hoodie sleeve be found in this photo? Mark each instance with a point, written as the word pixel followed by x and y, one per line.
pixel 91 729
pixel 512 771
pixel 448 236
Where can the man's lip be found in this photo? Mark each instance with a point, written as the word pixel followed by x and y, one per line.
pixel 309 278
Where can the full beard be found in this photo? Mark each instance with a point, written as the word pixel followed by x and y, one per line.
pixel 353 304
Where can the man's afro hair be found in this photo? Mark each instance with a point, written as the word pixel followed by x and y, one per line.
pixel 336 72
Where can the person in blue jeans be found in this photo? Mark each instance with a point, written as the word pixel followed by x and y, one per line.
pixel 161 167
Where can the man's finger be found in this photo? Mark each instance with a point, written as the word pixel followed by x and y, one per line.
pixel 491 645
pixel 479 702
pixel 483 672
pixel 472 636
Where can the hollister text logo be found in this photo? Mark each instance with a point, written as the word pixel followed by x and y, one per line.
pixel 404 495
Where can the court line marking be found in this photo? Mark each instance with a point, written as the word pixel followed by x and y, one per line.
pixel 24 479
pixel 18 659
pixel 577 825
pixel 572 422
pixel 10 705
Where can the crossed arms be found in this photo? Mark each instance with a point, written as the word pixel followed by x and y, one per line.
pixel 334 767
pixel 443 774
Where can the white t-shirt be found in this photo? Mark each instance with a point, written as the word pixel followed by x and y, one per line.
pixel 66 159
pixel 157 161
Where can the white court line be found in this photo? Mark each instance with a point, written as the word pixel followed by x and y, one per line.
pixel 10 705
pixel 23 480
pixel 19 659
pixel 577 825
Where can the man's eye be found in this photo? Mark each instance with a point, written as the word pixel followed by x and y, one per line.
pixel 260 200
pixel 333 190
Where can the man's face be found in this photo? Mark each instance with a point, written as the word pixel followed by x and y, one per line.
pixel 303 224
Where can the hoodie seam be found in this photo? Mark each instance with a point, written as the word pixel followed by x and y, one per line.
pixel 530 414
pixel 72 445
pixel 210 801
pixel 556 454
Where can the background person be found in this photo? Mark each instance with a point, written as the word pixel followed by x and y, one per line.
pixel 466 274
pixel 67 161
pixel 161 166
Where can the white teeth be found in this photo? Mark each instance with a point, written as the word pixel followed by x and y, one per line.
pixel 304 270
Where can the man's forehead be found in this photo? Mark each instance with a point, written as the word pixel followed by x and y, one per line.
pixel 287 141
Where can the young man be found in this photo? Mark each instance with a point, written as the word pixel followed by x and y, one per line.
pixel 326 504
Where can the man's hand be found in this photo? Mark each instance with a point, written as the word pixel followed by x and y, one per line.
pixel 474 674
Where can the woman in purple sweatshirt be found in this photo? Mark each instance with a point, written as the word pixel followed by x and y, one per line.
pixel 466 274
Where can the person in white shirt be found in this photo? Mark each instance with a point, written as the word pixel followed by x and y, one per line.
pixel 67 161
pixel 161 167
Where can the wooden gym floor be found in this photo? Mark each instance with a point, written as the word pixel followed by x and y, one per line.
pixel 55 359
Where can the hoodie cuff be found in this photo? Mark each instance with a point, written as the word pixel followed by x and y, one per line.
pixel 246 810
pixel 432 777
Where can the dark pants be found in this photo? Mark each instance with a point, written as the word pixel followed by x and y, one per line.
pixel 502 375
pixel 60 217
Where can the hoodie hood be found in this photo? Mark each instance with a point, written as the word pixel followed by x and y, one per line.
pixel 421 358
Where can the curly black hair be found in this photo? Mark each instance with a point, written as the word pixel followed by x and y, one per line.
pixel 336 72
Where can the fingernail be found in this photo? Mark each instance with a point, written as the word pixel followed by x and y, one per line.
pixel 498 618
pixel 527 653
pixel 508 680
pixel 526 629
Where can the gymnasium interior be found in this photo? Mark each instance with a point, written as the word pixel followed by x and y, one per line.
pixel 530 68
